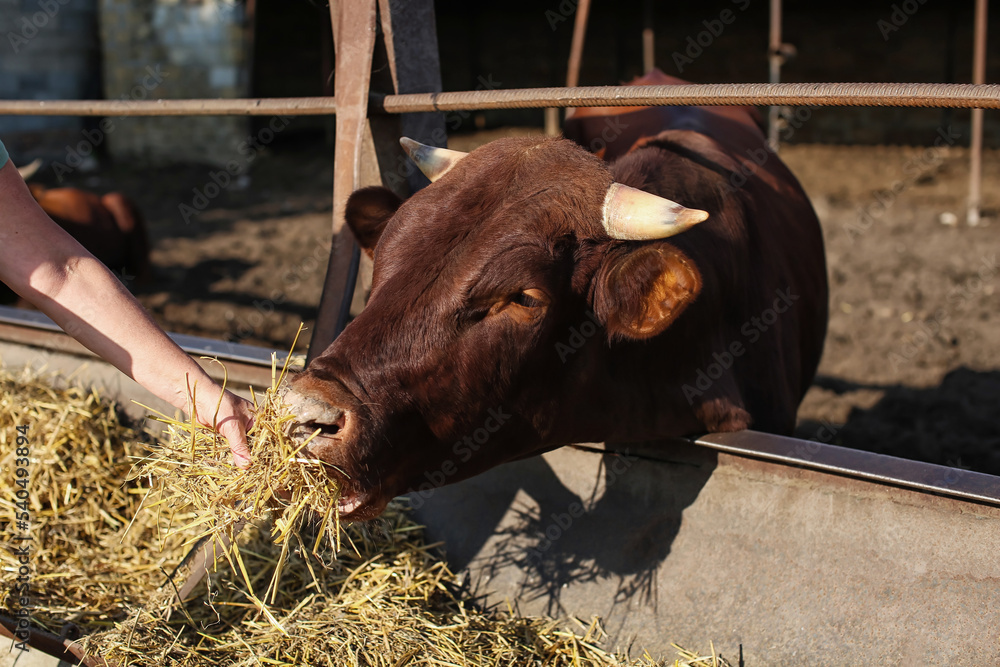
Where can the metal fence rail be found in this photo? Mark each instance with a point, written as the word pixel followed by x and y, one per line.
pixel 939 95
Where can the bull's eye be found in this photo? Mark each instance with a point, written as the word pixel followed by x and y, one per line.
pixel 529 298
pixel 523 306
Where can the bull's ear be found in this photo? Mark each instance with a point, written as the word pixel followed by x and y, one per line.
pixel 639 292
pixel 368 211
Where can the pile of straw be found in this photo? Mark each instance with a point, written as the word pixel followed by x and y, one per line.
pixel 107 537
pixel 86 568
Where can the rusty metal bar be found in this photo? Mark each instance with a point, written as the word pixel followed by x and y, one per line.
pixel 939 95
pixel 815 94
pixel 295 106
pixel 354 42
pixel 943 95
pixel 976 140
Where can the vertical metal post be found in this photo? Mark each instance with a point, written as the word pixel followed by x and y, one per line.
pixel 648 52
pixel 354 46
pixel 775 59
pixel 976 141
pixel 552 121
pixel 367 151
pixel 575 58
pixel 576 49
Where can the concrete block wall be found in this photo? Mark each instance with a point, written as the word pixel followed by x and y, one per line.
pixel 169 49
pixel 49 49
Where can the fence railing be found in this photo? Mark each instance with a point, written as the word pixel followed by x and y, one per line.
pixel 940 95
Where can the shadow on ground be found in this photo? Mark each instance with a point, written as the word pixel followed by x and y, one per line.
pixel 955 423
pixel 620 528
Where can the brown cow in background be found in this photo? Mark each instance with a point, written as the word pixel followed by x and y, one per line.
pixel 110 226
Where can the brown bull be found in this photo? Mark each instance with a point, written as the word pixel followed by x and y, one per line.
pixel 526 300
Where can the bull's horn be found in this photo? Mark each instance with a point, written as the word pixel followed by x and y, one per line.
pixel 634 215
pixel 29 170
pixel 434 162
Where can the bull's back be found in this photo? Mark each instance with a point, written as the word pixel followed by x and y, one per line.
pixel 761 243
pixel 613 131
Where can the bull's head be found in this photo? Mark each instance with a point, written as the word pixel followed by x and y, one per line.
pixel 496 295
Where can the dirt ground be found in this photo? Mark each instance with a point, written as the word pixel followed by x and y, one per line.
pixel 912 359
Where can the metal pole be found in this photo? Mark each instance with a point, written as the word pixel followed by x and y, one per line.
pixel 576 49
pixel 930 95
pixel 976 141
pixel 552 121
pixel 354 44
pixel 573 69
pixel 774 58
pixel 648 36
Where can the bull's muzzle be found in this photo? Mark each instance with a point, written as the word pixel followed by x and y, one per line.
pixel 331 445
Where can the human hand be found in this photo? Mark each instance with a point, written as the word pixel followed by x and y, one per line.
pixel 233 420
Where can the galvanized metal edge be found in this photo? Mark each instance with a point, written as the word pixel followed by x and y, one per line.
pixel 193 345
pixel 879 468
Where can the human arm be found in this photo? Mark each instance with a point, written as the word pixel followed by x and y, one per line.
pixel 48 267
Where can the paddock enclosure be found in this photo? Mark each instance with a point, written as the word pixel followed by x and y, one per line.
pixel 871 535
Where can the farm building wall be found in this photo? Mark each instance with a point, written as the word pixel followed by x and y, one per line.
pixel 48 52
pixel 170 49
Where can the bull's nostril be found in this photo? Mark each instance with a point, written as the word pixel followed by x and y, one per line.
pixel 305 429
pixel 326 429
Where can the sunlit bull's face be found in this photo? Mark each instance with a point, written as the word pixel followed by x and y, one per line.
pixel 465 355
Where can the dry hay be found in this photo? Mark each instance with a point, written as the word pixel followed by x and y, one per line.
pixel 85 566
pixel 385 599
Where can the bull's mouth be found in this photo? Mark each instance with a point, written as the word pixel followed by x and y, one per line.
pixel 355 503
pixel 330 431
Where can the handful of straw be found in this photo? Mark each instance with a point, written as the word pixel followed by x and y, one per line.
pixel 193 470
